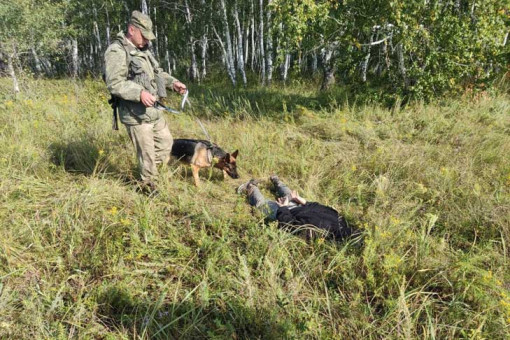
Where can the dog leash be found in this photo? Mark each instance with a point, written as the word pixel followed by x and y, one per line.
pixel 158 105
pixel 183 104
pixel 162 107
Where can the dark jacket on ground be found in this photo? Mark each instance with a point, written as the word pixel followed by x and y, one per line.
pixel 318 215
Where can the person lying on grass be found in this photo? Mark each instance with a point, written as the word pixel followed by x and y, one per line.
pixel 293 211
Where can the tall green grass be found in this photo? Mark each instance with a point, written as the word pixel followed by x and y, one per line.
pixel 83 255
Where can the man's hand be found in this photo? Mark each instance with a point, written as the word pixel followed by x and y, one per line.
pixel 147 99
pixel 294 196
pixel 282 201
pixel 179 87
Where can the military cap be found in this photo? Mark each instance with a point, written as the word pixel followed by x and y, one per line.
pixel 144 23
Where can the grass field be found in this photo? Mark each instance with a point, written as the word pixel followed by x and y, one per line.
pixel 83 255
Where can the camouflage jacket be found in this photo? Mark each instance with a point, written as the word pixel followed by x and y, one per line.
pixel 127 75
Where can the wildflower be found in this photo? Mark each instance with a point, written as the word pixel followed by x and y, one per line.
pixel 101 152
pixel 487 277
pixel 354 168
pixel 113 211
pixel 124 221
pixel 423 189
pixel 395 220
pixel 385 234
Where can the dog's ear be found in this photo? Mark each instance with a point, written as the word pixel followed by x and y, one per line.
pixel 227 158
pixel 234 154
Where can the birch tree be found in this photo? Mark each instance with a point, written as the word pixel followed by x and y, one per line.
pixel 240 53
pixel 269 44
pixel 261 41
pixel 193 69
pixel 227 45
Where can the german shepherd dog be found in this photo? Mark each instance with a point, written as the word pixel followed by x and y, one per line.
pixel 204 154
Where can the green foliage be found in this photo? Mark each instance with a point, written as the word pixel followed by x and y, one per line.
pixel 29 24
pixel 447 46
pixel 83 255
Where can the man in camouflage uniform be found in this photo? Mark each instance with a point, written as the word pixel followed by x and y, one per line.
pixel 132 74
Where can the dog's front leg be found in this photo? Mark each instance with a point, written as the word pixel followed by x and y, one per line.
pixel 195 169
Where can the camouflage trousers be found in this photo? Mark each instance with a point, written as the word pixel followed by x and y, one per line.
pixel 153 144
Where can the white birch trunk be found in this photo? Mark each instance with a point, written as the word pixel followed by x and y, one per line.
pixel 12 73
pixel 37 61
pixel 193 69
pixel 246 45
pixel 269 46
pixel 108 30
pixel 261 41
pixel 228 40
pixel 364 65
pixel 155 45
pixel 143 7
pixel 48 67
pixel 91 56
pixel 240 54
pixel 203 46
pixel 328 64
pixel 224 58
pixel 401 64
pixel 96 31
pixel 74 58
pixel 253 46
pixel 99 51
pixel 285 67
pixel 167 57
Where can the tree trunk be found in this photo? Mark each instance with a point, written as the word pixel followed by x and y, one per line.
pixel 364 65
pixel 99 51
pixel 225 59
pixel 108 30
pixel 261 41
pixel 328 64
pixel 144 8
pixel 74 58
pixel 253 46
pixel 167 57
pixel 193 69
pixel 314 63
pixel 269 46
pixel 246 44
pixel 10 69
pixel 203 46
pixel 228 48
pixel 240 54
pixel 204 41
pixel 401 64
pixel 285 67
pixel 91 57
pixel 37 61
pixel 155 45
